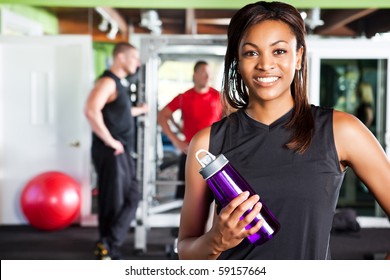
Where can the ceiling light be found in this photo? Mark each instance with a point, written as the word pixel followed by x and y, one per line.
pixel 313 20
pixel 103 26
pixel 151 21
pixel 113 31
pixel 107 20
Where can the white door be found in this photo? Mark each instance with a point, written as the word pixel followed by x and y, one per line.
pixel 44 82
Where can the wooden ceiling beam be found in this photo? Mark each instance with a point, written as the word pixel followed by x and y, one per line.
pixel 214 21
pixel 336 19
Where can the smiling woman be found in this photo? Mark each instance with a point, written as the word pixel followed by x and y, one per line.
pixel 268 64
pixel 293 154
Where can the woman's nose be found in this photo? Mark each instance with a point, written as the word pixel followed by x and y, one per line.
pixel 265 62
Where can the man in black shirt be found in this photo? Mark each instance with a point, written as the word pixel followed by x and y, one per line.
pixel 110 115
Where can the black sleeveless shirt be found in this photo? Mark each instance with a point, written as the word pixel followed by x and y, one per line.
pixel 301 190
pixel 117 115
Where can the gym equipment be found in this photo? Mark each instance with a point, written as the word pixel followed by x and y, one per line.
pixel 155 51
pixel 51 200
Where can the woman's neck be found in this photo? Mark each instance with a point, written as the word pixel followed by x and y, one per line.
pixel 267 113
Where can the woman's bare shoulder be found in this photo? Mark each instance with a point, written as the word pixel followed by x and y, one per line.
pixel 346 125
pixel 351 136
pixel 202 138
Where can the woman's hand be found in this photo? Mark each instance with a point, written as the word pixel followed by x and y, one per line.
pixel 228 229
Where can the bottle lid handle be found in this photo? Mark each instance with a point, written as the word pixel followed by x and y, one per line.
pixel 206 159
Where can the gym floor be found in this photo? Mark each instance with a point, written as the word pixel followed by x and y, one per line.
pixel 77 243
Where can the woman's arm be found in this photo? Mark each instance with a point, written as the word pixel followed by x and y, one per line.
pixel 358 148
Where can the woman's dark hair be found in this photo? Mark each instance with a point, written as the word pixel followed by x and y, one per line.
pixel 234 90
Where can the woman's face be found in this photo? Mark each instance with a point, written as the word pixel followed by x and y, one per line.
pixel 268 59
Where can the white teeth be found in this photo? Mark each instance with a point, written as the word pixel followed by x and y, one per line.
pixel 267 79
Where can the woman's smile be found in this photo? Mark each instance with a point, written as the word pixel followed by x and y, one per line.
pixel 266 81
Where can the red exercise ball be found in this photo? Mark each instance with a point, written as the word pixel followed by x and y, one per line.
pixel 51 200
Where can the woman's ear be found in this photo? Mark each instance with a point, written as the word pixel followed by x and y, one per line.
pixel 299 59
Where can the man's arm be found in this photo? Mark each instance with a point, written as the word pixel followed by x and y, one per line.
pixel 163 118
pixel 139 110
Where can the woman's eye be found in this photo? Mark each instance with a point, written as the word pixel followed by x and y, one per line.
pixel 280 51
pixel 250 53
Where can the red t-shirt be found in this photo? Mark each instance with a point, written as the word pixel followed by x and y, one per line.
pixel 199 110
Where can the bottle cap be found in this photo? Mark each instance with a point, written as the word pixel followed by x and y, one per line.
pixel 210 164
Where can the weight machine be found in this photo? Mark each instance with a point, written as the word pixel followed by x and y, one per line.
pixel 155 51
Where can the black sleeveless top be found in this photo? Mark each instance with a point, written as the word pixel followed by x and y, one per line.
pixel 301 190
pixel 117 115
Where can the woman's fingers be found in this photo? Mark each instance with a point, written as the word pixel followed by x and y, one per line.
pixel 236 202
pixel 248 219
pixel 230 229
pixel 233 213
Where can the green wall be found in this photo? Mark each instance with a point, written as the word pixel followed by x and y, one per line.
pixel 48 21
pixel 102 53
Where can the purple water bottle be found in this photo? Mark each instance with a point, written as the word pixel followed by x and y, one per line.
pixel 226 183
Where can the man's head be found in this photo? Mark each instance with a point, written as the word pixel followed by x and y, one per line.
pixel 126 56
pixel 201 75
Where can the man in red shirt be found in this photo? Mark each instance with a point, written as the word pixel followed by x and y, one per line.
pixel 200 107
